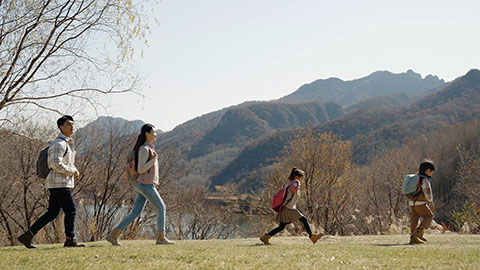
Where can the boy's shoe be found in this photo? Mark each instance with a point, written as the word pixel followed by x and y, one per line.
pixel 414 240
pixel 265 238
pixel 419 234
pixel 314 238
pixel 26 239
pixel 69 242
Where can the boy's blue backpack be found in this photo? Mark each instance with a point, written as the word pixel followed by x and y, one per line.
pixel 412 186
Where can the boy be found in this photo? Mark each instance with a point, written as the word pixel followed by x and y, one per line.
pixel 419 206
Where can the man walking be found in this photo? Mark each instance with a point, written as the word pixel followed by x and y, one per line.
pixel 59 182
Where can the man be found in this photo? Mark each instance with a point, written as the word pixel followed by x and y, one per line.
pixel 59 182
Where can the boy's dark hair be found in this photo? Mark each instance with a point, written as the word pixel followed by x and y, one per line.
pixel 296 172
pixel 426 164
pixel 63 119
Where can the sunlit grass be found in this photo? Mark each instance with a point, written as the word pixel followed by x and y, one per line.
pixel 448 251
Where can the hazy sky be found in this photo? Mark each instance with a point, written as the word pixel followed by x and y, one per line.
pixel 207 55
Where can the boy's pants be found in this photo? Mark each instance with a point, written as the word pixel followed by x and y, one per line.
pixel 420 211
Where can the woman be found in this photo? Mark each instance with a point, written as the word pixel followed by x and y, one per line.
pixel 289 213
pixel 146 164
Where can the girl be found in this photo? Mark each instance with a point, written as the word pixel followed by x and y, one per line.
pixel 289 212
pixel 146 164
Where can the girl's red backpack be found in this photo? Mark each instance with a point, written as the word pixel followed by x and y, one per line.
pixel 279 198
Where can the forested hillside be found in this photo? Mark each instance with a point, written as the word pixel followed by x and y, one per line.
pixel 242 125
pixel 209 153
pixel 372 131
pixel 393 100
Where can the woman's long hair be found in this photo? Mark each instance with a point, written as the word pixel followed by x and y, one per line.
pixel 141 139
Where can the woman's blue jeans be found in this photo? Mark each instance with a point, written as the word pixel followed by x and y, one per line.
pixel 145 192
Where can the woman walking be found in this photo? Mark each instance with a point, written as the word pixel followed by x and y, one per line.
pixel 146 164
pixel 289 213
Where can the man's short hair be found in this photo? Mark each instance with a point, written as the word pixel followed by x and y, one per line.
pixel 64 119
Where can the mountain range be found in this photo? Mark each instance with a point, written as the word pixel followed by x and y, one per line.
pixel 378 111
pixel 328 90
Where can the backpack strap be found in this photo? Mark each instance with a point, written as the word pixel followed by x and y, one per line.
pixel 148 159
pixel 419 186
pixel 150 153
pixel 66 150
pixel 286 191
pixel 420 180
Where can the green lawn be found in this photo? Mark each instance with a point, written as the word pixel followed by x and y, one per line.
pixel 443 251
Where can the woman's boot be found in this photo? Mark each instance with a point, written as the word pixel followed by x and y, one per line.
pixel 162 240
pixel 112 237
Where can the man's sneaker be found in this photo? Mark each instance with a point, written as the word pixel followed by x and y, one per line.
pixel 72 243
pixel 26 239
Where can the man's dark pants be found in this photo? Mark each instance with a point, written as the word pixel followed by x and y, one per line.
pixel 60 198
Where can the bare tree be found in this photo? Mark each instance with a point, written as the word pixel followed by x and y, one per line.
pixel 381 183
pixel 468 186
pixel 22 197
pixel 64 49
pixel 196 215
pixel 101 190
pixel 327 190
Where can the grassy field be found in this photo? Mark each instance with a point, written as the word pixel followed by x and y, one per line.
pixel 443 251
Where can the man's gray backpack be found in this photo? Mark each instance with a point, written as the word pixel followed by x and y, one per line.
pixel 42 162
